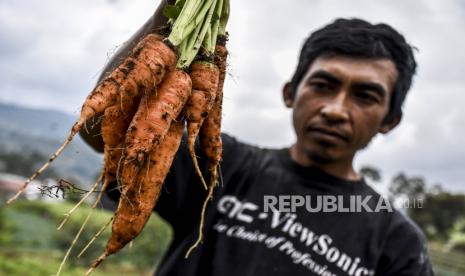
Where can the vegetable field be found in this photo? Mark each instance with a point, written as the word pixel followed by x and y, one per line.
pixel 31 245
pixel 447 263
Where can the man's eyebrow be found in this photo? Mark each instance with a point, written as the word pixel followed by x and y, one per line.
pixel 372 86
pixel 321 74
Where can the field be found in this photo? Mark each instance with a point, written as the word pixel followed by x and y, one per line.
pixel 447 263
pixel 31 245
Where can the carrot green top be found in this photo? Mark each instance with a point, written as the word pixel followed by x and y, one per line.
pixel 196 25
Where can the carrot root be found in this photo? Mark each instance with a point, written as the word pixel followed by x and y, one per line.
pixel 138 199
pixel 96 263
pixel 210 138
pixel 44 166
pixel 196 166
pixel 97 201
pixel 74 242
pixel 68 215
pixel 202 217
pixel 95 236
pixel 205 78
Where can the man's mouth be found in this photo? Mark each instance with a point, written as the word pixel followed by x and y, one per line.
pixel 327 133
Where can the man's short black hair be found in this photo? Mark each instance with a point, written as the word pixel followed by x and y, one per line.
pixel 359 38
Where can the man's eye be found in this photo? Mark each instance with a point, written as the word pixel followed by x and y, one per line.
pixel 319 85
pixel 367 97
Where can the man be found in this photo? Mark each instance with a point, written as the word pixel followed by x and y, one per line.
pixel 349 85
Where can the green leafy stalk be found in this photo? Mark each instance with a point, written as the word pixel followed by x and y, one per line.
pixel 215 26
pixel 207 41
pixel 172 11
pixel 224 18
pixel 193 37
pixel 200 16
pixel 196 24
pixel 188 12
pixel 189 42
pixel 187 21
pixel 182 47
pixel 188 56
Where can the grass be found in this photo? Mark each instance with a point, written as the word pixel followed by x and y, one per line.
pixel 447 262
pixel 45 262
pixel 31 245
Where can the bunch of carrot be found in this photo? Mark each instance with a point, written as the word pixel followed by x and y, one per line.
pixel 165 84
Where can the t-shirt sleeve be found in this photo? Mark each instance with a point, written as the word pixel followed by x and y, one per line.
pixel 405 251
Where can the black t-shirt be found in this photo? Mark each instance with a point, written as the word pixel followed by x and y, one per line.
pixel 242 238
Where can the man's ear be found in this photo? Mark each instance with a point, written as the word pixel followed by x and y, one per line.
pixel 386 127
pixel 287 95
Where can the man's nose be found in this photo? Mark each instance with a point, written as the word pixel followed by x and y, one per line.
pixel 335 110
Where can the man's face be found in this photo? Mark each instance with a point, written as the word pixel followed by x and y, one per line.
pixel 340 105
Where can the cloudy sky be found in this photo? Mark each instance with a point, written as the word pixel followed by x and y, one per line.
pixel 52 52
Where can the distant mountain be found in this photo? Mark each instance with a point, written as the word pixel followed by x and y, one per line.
pixel 25 130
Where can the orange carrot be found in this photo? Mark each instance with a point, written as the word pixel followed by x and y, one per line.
pixel 115 123
pixel 137 201
pixel 152 121
pixel 146 66
pixel 210 137
pixel 204 77
pixel 148 63
pixel 210 133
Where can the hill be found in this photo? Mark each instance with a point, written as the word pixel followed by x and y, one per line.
pixel 27 130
